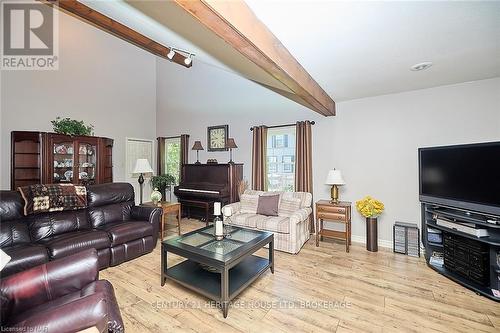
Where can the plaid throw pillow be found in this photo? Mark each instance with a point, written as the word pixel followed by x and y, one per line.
pixel 41 198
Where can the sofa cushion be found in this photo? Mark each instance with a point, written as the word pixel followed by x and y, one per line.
pixel 268 205
pixel 247 220
pixel 13 233
pixel 11 205
pixel 48 225
pixel 305 198
pixel 117 212
pixel 289 206
pixel 249 203
pixel 122 232
pixel 110 193
pixel 280 224
pixel 24 257
pixel 76 241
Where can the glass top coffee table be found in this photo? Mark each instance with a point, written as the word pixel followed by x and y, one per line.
pixel 219 270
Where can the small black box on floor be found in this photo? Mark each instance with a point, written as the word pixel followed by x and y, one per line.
pixel 406 238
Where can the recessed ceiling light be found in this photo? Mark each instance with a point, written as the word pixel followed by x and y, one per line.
pixel 188 60
pixel 421 66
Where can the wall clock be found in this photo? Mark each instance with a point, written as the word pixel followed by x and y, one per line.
pixel 216 137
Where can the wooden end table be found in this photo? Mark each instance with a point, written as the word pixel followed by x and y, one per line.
pixel 334 212
pixel 168 208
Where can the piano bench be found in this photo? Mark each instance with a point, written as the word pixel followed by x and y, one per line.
pixel 187 204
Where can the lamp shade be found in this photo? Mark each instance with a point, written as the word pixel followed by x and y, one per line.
pixel 197 146
pixel 142 166
pixel 334 178
pixel 230 143
pixel 4 259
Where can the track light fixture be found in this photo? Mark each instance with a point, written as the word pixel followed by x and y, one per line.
pixel 171 54
pixel 188 56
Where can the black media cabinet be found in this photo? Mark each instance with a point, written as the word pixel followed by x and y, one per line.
pixel 472 261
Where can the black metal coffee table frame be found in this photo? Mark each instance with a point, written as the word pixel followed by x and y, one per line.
pixel 234 271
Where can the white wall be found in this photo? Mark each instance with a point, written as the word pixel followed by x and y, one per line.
pixel 373 141
pixel 101 80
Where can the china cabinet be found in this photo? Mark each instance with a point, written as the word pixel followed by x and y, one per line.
pixel 50 158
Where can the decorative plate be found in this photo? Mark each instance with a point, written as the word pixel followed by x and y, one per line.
pixel 68 175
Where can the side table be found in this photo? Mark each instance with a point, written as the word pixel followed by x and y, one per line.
pixel 168 208
pixel 339 212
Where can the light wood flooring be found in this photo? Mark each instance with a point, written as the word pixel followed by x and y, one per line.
pixel 360 291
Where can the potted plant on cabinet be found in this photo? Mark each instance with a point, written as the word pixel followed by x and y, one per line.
pixel 370 208
pixel 163 183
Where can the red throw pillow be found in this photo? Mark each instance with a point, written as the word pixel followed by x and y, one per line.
pixel 268 205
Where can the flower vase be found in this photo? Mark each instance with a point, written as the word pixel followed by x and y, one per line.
pixel 371 234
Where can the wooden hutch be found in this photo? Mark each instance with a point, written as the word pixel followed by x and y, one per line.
pixel 48 158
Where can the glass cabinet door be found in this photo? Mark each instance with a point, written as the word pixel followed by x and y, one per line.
pixel 63 162
pixel 87 163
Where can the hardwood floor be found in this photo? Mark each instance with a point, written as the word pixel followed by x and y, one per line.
pixel 346 292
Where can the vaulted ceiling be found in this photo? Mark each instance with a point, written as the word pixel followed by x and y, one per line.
pixel 352 49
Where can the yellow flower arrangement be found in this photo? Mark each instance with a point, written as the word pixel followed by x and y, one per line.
pixel 369 207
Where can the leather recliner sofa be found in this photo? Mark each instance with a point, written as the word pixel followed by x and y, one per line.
pixel 112 224
pixel 63 295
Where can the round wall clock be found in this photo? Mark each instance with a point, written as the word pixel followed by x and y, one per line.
pixel 216 137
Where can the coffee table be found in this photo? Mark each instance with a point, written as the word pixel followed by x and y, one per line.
pixel 218 270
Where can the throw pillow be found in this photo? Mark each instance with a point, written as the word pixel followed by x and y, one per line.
pixel 289 206
pixel 268 205
pixel 248 203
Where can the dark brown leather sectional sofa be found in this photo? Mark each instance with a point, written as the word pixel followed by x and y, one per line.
pixel 112 224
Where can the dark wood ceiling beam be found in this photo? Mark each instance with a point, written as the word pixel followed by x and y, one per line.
pixel 115 28
pixel 235 23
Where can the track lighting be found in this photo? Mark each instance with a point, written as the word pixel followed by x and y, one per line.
pixel 188 56
pixel 171 54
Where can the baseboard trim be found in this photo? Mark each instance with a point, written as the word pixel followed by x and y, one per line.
pixel 381 242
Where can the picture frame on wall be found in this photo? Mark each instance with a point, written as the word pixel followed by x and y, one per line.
pixel 217 137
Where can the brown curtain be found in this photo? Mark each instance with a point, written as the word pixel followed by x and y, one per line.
pixel 303 161
pixel 259 168
pixel 184 149
pixel 161 156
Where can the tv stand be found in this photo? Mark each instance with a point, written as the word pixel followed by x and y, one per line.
pixel 471 261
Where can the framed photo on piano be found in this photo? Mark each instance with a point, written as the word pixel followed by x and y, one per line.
pixel 217 137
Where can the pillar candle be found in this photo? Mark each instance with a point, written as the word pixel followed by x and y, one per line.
pixel 217 208
pixel 227 211
pixel 219 227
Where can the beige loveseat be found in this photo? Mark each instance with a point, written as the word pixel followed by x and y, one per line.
pixel 290 227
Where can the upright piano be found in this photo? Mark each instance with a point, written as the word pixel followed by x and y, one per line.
pixel 203 184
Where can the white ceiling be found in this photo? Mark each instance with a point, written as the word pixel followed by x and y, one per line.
pixel 353 49
pixel 358 49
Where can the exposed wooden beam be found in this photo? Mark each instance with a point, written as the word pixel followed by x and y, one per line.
pixel 115 28
pixel 237 25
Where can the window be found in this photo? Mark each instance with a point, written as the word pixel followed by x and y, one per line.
pixel 173 157
pixel 281 159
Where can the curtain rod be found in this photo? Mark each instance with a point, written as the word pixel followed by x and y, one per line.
pixel 287 125
pixel 169 137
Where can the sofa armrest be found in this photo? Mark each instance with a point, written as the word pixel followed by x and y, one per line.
pixel 235 208
pixel 82 313
pixel 40 284
pixel 151 214
pixel 300 215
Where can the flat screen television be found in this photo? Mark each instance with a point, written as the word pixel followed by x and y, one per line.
pixel 462 176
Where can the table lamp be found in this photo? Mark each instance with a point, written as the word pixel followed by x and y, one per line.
pixel 197 146
pixel 142 166
pixel 335 179
pixel 231 145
